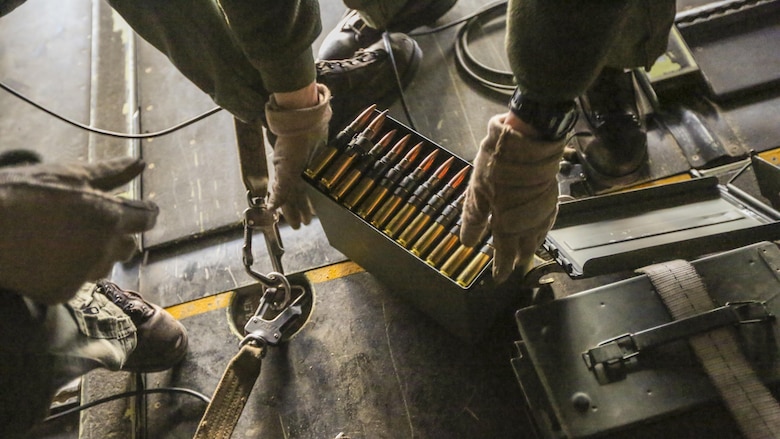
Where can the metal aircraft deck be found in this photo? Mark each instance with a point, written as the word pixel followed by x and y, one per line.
pixel 366 364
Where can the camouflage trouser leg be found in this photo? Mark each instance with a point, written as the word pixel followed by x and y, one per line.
pixel 46 347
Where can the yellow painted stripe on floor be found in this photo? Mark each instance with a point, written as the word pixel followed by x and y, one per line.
pixel 200 306
pixel 336 271
pixel 220 301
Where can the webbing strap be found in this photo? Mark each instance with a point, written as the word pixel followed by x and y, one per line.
pixel 231 394
pixel 751 404
pixel 251 157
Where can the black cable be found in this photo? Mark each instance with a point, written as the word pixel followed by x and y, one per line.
pixel 462 55
pixel 139 392
pixel 500 81
pixel 497 80
pixel 389 49
pixel 498 10
pixel 106 132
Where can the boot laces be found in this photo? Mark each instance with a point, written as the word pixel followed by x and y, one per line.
pixel 131 304
pixel 361 58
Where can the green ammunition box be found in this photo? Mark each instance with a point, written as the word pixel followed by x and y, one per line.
pixel 662 391
pixel 466 312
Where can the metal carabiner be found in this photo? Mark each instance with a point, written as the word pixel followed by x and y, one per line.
pixel 262 329
pixel 258 217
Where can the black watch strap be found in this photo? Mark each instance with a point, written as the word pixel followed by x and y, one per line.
pixel 552 121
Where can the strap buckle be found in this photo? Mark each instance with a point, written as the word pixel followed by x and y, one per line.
pixel 268 327
pixel 616 351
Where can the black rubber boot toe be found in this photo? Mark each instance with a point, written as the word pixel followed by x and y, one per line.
pixel 352 33
pixel 368 77
pixel 616 146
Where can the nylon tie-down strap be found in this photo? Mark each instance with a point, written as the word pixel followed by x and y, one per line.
pixel 251 157
pixel 751 404
pixel 231 394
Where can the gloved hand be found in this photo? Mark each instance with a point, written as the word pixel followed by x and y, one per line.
pixel 514 187
pixel 299 133
pixel 60 227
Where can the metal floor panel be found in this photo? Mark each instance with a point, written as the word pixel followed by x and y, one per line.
pixel 47 57
pixel 365 364
pixel 213 265
pixel 193 173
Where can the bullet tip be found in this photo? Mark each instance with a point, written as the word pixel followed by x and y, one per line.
pixel 385 140
pixel 444 168
pixel 460 177
pixel 377 122
pixel 362 119
pixel 414 152
pixel 428 161
pixel 401 144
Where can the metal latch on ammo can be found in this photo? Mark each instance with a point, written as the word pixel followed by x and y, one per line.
pixel 613 353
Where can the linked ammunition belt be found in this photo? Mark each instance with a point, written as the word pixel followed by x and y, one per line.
pixel 411 193
pixel 754 408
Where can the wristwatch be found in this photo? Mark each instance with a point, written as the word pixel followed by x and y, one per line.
pixel 552 121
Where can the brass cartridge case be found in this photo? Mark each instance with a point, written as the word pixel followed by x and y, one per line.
pixel 400 219
pixel 387 209
pixel 417 200
pixel 424 212
pixel 446 218
pixel 414 230
pixel 456 260
pixel 326 156
pixel 372 201
pixel 353 192
pixel 361 144
pixel 402 191
pixel 388 181
pixel 428 239
pixel 445 247
pixel 476 265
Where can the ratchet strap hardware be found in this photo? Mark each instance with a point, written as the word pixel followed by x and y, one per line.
pixel 752 405
pixel 617 350
pixel 710 333
pixel 262 330
pixel 276 310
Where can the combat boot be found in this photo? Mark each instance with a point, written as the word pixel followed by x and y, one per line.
pixel 617 145
pixel 368 77
pixel 162 340
pixel 353 33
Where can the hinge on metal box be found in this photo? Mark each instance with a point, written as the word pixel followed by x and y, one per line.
pixel 615 352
